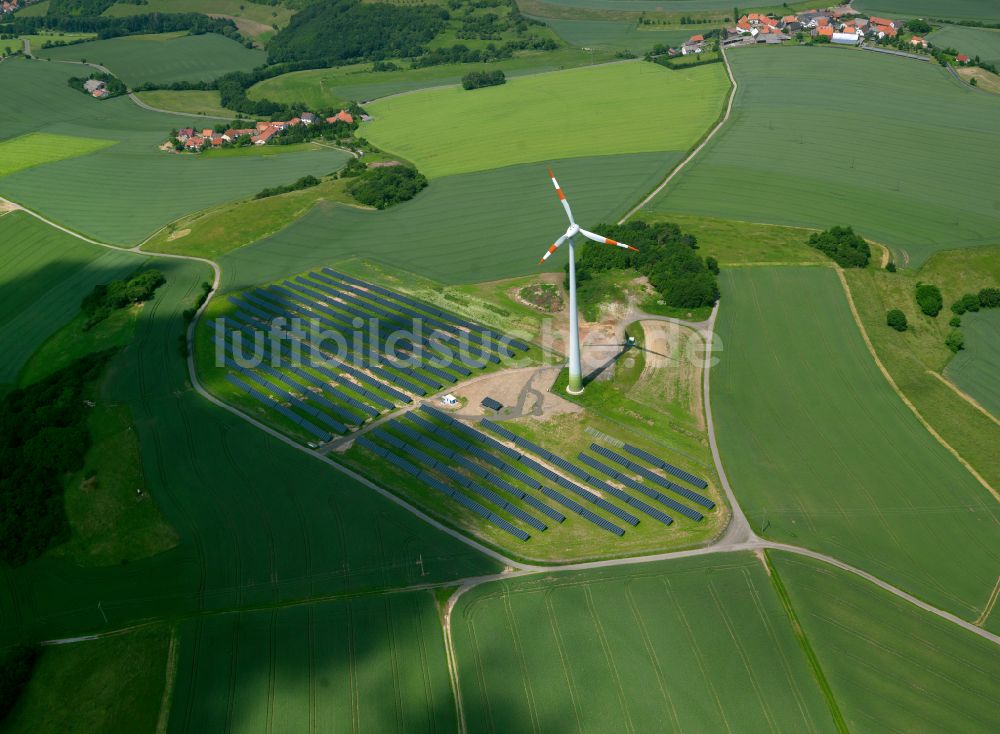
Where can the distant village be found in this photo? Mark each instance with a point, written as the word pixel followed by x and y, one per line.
pixel 264 132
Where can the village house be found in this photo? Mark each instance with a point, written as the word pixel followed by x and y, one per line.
pixel 919 42
pixel 962 59
pixel 308 118
pixel 9 7
pixel 342 116
pixel 694 45
pixel 194 143
pixel 184 133
pixel 264 135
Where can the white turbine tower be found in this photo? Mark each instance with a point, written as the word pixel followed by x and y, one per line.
pixel 575 386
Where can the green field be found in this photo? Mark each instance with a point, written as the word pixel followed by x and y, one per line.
pixel 434 236
pixel 373 663
pixel 148 187
pixel 35 10
pixel 192 102
pixel 162 58
pixel 985 10
pixel 43 275
pixel 975 369
pixel 274 15
pixel 792 97
pixel 981 42
pixel 891 666
pixel 823 454
pixel 258 522
pixel 449 131
pixel 697 644
pixel 321 88
pixel 34 149
pixel 112 686
pixel 625 35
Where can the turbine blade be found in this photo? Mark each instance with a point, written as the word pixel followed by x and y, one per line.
pixel 552 249
pixel 562 196
pixel 605 240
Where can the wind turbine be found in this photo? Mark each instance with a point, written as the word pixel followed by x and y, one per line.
pixel 575 386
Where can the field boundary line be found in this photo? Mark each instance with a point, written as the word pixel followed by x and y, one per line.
pixel 168 688
pixel 991 602
pixel 733 86
pixel 902 396
pixel 965 396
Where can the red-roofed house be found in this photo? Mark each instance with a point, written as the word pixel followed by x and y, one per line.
pixel 217 140
pixel 875 20
pixel 261 126
pixel 342 116
pixel 881 30
pixel 825 31
pixel 207 132
pixel 918 41
pixel 962 59
pixel 194 143
pixel 264 135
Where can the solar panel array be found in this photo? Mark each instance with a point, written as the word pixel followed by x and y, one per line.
pixel 583 511
pixel 652 476
pixel 669 468
pixel 305 423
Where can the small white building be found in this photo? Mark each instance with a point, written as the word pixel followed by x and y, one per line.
pixel 848 39
pixel 449 399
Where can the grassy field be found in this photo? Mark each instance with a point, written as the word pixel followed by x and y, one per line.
pixel 258 521
pixel 697 644
pixel 851 473
pixel 37 40
pixel 35 149
pixel 981 42
pixel 434 235
pixel 976 368
pixel 449 131
pixel 192 102
pixel 153 187
pixel 917 357
pixel 891 666
pixel 336 86
pixel 43 275
pixel 163 58
pixel 624 35
pixel 986 10
pixel 985 80
pixel 376 663
pixel 35 10
pixel 273 15
pixel 113 685
pixel 791 97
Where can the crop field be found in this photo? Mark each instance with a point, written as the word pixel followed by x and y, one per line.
pixel 274 15
pixel 890 665
pixel 374 663
pixel 981 42
pixel 791 96
pixel 449 131
pixel 623 35
pixel 339 85
pixel 434 236
pixel 34 149
pixel 43 274
pixel 76 192
pixel 276 525
pixel 193 102
pixel 699 644
pixel 163 58
pixel 975 369
pixel 985 10
pixel 851 473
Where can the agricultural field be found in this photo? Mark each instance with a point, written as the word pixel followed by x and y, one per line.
pixel 624 35
pixel 162 58
pixel 44 273
pixel 450 131
pixel 985 10
pixel 853 474
pixel 322 88
pixel 34 149
pixel 889 664
pixel 787 95
pixel 373 662
pixel 269 14
pixel 434 236
pixel 114 685
pixel 695 644
pixel 191 102
pixel 974 42
pixel 277 525
pixel 75 192
pixel 975 369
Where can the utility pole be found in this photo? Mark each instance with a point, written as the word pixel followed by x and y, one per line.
pixel 101 610
pixel 420 562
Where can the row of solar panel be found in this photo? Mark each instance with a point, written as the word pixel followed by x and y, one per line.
pixel 447 332
pixel 638 486
pixel 632 484
pixel 472 326
pixel 669 468
pixel 298 305
pixel 583 511
pixel 653 477
pixel 305 423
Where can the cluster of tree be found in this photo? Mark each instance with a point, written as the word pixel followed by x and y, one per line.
pixel 321 129
pixel 462 54
pixel 477 79
pixel 969 303
pixel 43 436
pixel 206 289
pixel 929 298
pixel 105 298
pixel 385 66
pixel 918 25
pixel 306 182
pixel 897 320
pixel 843 246
pixel 331 32
pixel 666 255
pixel 115 86
pixel 16 666
pixel 112 27
pixel 382 187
